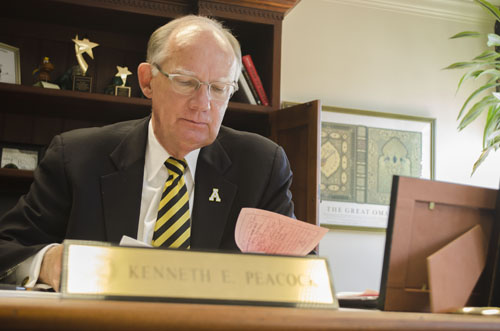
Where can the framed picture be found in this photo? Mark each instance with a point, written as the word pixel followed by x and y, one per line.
pixel 10 67
pixel 360 153
pixel 20 156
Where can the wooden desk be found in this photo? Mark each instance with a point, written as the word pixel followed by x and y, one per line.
pixel 64 314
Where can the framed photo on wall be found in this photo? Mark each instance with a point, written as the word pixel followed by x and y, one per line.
pixel 10 66
pixel 360 152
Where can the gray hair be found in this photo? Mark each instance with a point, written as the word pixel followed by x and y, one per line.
pixel 157 50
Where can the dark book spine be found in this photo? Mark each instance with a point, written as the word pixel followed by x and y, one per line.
pixel 250 85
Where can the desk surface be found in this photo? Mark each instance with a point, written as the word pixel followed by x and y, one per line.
pixel 44 313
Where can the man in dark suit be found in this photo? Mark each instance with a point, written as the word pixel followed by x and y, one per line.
pixel 103 183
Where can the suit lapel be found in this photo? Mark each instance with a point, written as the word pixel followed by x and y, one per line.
pixel 210 216
pixel 121 191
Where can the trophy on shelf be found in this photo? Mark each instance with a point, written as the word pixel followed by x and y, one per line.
pixel 118 83
pixel 41 75
pixel 82 82
pixel 122 90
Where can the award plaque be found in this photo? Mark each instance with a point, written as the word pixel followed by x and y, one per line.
pixel 123 91
pixel 81 81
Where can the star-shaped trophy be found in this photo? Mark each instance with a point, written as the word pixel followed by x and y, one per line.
pixel 122 90
pixel 82 82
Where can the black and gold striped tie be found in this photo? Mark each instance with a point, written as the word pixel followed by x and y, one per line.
pixel 172 228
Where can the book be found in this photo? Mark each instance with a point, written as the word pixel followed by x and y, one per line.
pixel 255 79
pixel 244 73
pixel 245 88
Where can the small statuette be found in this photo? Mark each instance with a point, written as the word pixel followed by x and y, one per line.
pixel 41 75
pixel 122 90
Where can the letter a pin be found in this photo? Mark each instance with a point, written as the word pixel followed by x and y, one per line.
pixel 215 195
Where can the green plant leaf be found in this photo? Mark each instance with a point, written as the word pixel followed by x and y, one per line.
pixel 466 34
pixel 494 143
pixel 484 153
pixel 479 64
pixel 460 65
pixel 492 125
pixel 495 73
pixel 481 159
pixel 485 64
pixel 478 73
pixel 474 94
pixel 487 55
pixel 493 139
pixel 493 40
pixel 464 77
pixel 477 109
pixel 491 80
pixel 490 8
pixel 474 74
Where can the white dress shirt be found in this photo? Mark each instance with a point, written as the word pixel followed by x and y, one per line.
pixel 155 175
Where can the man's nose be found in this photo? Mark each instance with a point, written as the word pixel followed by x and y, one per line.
pixel 201 98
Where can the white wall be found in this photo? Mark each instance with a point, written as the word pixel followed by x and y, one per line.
pixel 387 56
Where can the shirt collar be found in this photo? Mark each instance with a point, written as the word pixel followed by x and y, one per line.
pixel 156 156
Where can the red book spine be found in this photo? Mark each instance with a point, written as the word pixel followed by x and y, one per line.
pixel 254 77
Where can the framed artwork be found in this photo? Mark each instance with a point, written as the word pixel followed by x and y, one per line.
pixel 10 67
pixel 361 151
pixel 20 156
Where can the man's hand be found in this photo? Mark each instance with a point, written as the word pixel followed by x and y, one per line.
pixel 50 271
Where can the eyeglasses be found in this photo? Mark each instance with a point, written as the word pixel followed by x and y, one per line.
pixel 187 85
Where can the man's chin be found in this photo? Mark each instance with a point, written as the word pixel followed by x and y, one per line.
pixel 196 142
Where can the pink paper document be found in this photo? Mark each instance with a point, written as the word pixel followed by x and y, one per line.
pixel 261 231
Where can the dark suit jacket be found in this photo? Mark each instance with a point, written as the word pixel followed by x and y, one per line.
pixel 89 183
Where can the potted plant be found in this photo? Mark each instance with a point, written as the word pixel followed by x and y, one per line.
pixel 486 64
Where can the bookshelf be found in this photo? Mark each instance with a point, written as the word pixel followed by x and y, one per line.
pixel 39 28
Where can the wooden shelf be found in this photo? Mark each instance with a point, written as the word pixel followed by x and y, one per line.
pixel 26 175
pixel 33 104
pixel 15 180
pixel 21 99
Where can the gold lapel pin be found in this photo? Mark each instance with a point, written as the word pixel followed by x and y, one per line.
pixel 215 195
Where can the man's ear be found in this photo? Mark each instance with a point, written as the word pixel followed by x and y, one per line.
pixel 145 76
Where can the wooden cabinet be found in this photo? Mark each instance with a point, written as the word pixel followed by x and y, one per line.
pixel 39 28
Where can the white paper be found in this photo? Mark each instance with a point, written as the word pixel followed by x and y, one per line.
pixel 131 242
pixel 261 231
